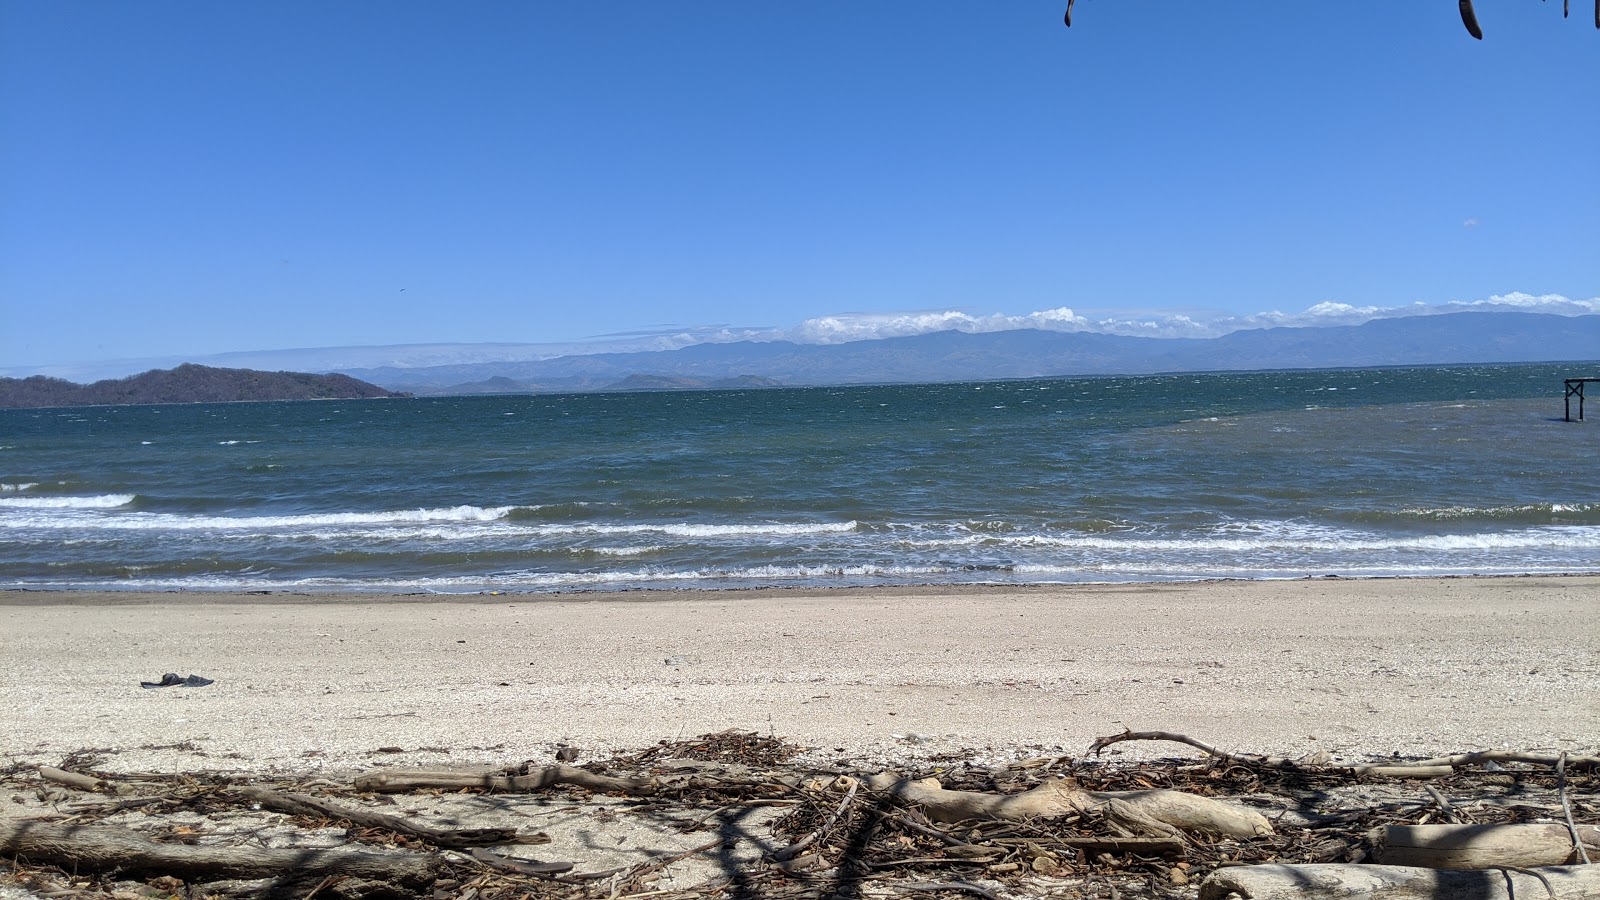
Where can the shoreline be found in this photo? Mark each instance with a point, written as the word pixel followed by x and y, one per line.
pixel 72 596
pixel 1355 667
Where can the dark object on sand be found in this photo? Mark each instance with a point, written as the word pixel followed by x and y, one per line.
pixel 171 679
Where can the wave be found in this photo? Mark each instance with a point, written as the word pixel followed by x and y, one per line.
pixel 16 488
pixel 1520 512
pixel 436 524
pixel 703 531
pixel 1308 540
pixel 168 521
pixel 102 501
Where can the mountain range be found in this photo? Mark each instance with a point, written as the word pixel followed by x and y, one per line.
pixel 187 383
pixel 1469 337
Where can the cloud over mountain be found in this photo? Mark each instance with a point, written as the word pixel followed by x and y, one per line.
pixel 845 327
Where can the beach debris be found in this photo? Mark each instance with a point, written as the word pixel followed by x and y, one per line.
pixel 1149 813
pixel 1428 768
pixel 742 815
pixel 1325 882
pixel 171 679
pixel 99 848
pixel 306 805
pixel 1478 846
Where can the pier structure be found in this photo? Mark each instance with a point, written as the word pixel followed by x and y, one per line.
pixel 1575 389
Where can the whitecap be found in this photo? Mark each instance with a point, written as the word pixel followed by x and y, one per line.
pixel 172 522
pixel 704 531
pixel 103 501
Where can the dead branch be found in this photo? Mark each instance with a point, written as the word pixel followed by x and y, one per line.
pixel 1531 757
pixel 1331 881
pixel 1426 769
pixel 100 848
pixel 306 805
pixel 1566 810
pixel 534 780
pixel 518 866
pixel 965 886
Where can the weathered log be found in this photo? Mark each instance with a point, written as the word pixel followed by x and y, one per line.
pixel 1157 813
pixel 1337 881
pixel 101 848
pixel 306 805
pixel 1479 846
pixel 396 781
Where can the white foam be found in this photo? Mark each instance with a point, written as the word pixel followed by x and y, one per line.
pixel 1463 512
pixel 15 488
pixel 703 531
pixel 103 501
pixel 171 522
pixel 625 551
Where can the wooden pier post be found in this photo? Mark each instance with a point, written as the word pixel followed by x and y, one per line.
pixel 1575 389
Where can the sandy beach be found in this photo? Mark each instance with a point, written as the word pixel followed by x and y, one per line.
pixel 1354 667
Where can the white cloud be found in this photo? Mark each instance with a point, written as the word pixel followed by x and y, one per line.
pixel 1469 222
pixel 842 327
pixel 835 329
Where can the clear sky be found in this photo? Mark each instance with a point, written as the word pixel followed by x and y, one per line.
pixel 191 177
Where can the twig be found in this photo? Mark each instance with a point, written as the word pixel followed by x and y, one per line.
pixel 949 840
pixel 1566 808
pixel 324 883
pixel 1450 811
pixel 1507 870
pixel 641 869
pixel 518 866
pixel 794 849
pixel 967 886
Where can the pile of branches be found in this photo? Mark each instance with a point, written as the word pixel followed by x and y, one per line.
pixel 811 831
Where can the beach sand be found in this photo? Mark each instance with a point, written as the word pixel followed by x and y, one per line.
pixel 1357 668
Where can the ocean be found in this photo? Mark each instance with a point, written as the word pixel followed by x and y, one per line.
pixel 1450 470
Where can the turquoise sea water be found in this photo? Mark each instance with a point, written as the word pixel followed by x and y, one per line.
pixel 1465 469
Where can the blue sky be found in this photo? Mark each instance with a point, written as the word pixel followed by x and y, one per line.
pixel 186 178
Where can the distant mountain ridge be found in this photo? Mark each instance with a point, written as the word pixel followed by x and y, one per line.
pixel 1468 337
pixel 188 383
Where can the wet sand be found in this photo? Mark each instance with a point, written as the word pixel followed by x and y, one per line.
pixel 1355 667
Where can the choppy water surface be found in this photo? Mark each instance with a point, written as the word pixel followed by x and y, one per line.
pixel 1261 475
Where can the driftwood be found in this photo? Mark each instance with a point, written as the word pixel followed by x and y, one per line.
pixel 108 847
pixel 305 805
pixel 1108 828
pixel 75 780
pixel 1425 768
pixel 1328 882
pixel 1156 813
pixel 536 779
pixel 1479 846
pixel 1531 757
